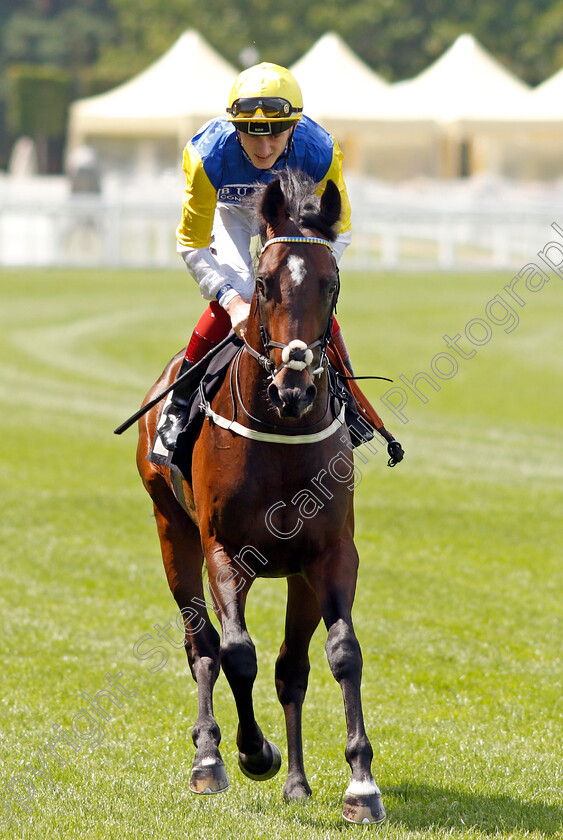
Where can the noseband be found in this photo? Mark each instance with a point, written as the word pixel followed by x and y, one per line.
pixel 296 355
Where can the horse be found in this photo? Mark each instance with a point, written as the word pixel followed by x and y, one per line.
pixel 246 510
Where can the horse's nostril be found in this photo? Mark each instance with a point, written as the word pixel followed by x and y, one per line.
pixel 311 393
pixel 292 402
pixel 274 395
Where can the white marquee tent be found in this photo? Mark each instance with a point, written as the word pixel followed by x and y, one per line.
pixel 336 83
pixel 470 97
pixel 351 101
pixel 534 136
pixel 547 98
pixel 144 123
pixel 465 83
pixel 464 114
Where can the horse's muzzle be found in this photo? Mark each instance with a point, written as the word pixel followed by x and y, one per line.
pixel 292 393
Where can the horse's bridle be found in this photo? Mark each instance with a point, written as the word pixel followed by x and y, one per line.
pixel 296 354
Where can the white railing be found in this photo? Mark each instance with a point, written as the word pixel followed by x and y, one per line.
pixel 447 227
pixel 447 241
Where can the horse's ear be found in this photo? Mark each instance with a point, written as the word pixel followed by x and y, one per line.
pixel 331 203
pixel 273 208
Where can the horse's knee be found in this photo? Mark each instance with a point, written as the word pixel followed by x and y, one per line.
pixel 343 651
pixel 205 669
pixel 200 636
pixel 238 658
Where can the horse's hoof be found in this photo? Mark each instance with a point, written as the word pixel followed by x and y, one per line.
pixel 209 778
pixel 363 809
pixel 262 765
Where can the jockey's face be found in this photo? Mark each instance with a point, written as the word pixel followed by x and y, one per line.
pixel 264 149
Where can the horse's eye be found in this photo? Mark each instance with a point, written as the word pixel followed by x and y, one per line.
pixel 262 287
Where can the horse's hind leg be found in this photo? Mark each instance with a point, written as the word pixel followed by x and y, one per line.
pixel 292 673
pixel 334 581
pixel 183 559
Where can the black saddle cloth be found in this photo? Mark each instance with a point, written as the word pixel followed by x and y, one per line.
pixel 210 380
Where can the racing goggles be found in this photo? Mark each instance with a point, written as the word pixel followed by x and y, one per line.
pixel 272 107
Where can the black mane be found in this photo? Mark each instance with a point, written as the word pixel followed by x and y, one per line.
pixel 302 203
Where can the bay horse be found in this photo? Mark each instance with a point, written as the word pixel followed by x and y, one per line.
pixel 248 510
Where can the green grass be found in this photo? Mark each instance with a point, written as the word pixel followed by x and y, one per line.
pixel 458 609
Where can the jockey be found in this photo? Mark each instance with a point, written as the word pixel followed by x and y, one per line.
pixel 264 131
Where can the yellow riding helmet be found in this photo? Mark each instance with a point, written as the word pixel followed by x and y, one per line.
pixel 265 99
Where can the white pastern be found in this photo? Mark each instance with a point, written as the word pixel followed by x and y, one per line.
pixel 365 788
pixel 297 269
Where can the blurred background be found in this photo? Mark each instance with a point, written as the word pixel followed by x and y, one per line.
pixel 450 118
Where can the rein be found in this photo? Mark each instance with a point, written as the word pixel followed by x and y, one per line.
pixel 237 398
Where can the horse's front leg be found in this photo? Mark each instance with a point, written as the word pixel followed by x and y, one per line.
pixel 292 673
pixel 334 580
pixel 259 759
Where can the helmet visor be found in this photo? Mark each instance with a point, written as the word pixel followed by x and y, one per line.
pixel 272 107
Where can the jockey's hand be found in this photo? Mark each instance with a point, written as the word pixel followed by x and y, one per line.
pixel 238 311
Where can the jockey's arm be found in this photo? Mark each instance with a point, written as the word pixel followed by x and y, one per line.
pixel 340 244
pixel 335 174
pixel 216 279
pixel 219 282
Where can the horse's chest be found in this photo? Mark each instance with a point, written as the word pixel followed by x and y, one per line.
pixel 281 506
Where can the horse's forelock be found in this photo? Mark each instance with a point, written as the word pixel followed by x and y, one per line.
pixel 301 202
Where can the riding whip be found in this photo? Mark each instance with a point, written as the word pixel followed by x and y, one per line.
pixel 151 404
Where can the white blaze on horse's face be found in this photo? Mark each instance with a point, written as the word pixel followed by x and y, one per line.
pixel 297 269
